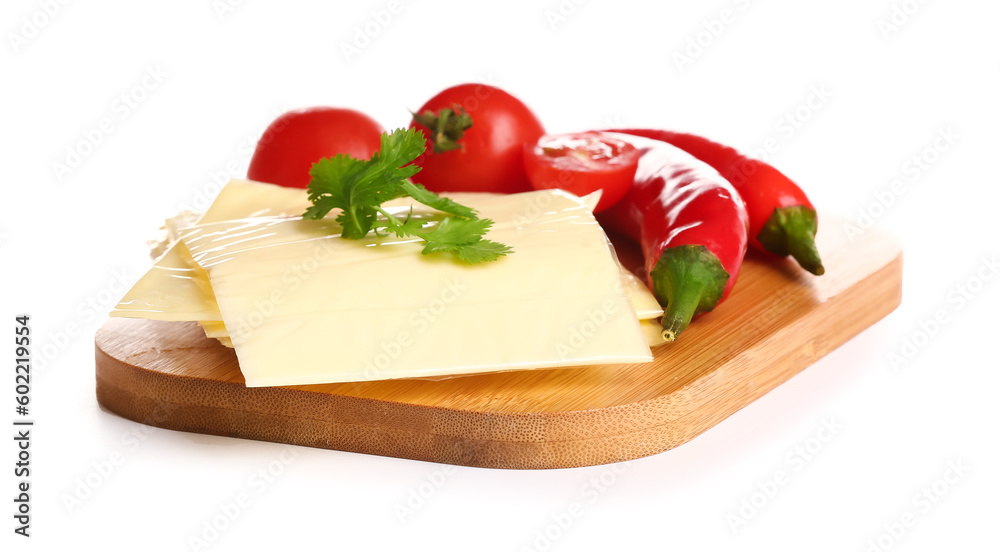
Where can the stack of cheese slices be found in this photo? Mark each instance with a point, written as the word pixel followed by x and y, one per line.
pixel 300 305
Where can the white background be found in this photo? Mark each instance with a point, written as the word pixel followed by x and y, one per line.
pixel 66 238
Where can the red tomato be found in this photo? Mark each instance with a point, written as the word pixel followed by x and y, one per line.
pixel 583 163
pixel 489 155
pixel 297 139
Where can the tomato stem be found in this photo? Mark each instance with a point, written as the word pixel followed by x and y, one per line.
pixel 687 280
pixel 792 231
pixel 446 127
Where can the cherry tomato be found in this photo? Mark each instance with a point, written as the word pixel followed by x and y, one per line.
pixel 483 157
pixel 297 139
pixel 583 163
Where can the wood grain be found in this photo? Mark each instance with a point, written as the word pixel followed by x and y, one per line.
pixel 777 321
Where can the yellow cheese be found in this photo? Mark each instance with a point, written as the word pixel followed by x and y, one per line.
pixel 246 198
pixel 174 289
pixel 643 301
pixel 304 306
pixel 169 232
pixel 214 329
pixel 652 331
pixel 177 289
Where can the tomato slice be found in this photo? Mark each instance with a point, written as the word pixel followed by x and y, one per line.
pixel 582 163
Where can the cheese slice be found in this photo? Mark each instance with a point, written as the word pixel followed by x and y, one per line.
pixel 653 332
pixel 304 306
pixel 177 289
pixel 169 232
pixel 643 301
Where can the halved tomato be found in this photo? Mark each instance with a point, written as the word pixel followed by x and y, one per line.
pixel 582 163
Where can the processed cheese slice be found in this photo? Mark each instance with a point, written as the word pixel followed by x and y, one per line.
pixel 653 332
pixel 246 198
pixel 643 302
pixel 170 231
pixel 174 289
pixel 177 289
pixel 304 306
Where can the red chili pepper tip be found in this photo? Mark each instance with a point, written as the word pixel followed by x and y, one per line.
pixel 792 231
pixel 688 280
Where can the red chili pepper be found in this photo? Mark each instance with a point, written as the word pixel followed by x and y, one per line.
pixel 782 220
pixel 692 227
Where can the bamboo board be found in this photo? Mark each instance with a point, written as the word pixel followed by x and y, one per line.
pixel 777 321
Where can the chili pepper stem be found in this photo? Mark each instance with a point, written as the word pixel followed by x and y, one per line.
pixel 792 231
pixel 680 311
pixel 687 280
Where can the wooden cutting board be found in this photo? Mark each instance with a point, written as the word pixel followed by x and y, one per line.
pixel 777 321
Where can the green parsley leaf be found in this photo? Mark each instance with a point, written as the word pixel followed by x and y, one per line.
pixel 434 201
pixel 453 232
pixel 325 189
pixel 482 251
pixel 408 227
pixel 359 187
pixel 464 239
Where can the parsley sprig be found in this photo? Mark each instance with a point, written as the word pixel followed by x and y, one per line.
pixel 359 188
